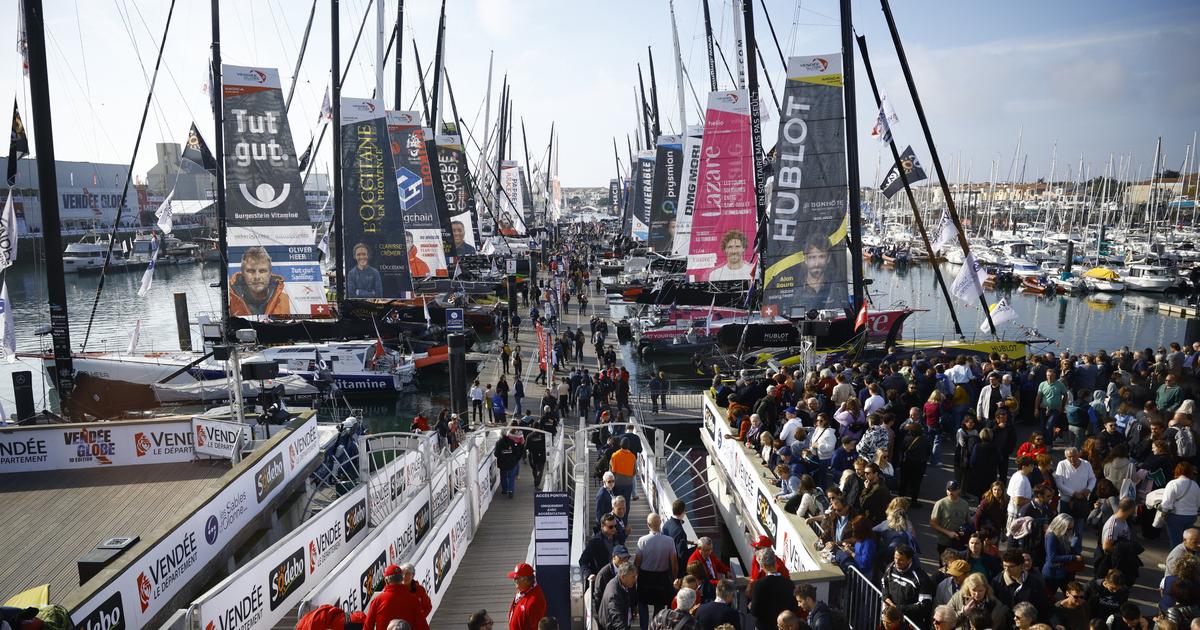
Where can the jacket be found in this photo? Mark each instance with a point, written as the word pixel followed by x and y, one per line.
pixel 527 609
pixel 772 595
pixel 1032 590
pixel 1057 555
pixel 617 606
pixel 674 619
pixel 1001 615
pixel 277 302
pixel 603 577
pixel 596 554
pixel 713 614
pixel 822 617
pixel 508 453
pixel 397 601
pixel 910 590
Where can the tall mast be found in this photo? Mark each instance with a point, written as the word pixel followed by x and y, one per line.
pixel 39 95
pixel 215 98
pixel 647 130
pixel 399 54
pixel 335 55
pixel 421 80
pixel 439 62
pixel 856 257
pixel 739 41
pixel 380 48
pixel 708 39
pixel 760 188
pixel 300 57
pixel 657 129
pixel 528 183
pixel 1151 205
pixel 678 72
pixel 487 120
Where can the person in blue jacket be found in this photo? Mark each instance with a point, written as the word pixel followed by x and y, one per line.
pixel 1062 547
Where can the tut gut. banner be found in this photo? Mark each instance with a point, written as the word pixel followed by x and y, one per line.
pixel 805 250
pixel 373 226
pixel 423 248
pixel 643 194
pixel 451 163
pixel 273 262
pixel 723 222
pixel 664 202
pixel 687 199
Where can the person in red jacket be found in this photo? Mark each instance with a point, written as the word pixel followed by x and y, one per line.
pixel 764 542
pixel 326 617
pixel 402 598
pixel 529 604
pixel 711 563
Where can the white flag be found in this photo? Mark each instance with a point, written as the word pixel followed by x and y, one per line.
pixel 1002 312
pixel 8 332
pixel 947 233
pixel 882 131
pixel 164 213
pixel 148 277
pixel 326 107
pixel 323 245
pixel 968 284
pixel 133 339
pixel 425 307
pixel 8 234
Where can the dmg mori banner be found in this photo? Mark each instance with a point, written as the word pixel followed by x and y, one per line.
pixel 373 225
pixel 418 204
pixel 687 200
pixel 664 202
pixel 452 168
pixel 806 237
pixel 273 264
pixel 724 223
pixel 262 592
pixel 643 194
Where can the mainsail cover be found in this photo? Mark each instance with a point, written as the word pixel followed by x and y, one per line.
pixel 723 223
pixel 664 202
pixel 373 227
pixel 418 205
pixel 273 263
pixel 805 252
pixel 687 201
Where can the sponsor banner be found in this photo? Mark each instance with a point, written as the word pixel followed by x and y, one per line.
pixel 218 438
pixel 664 202
pixel 273 266
pixel 418 202
pixel 378 260
pixel 444 551
pixel 723 221
pixel 512 200
pixel 141 591
pixel 754 493
pixel 687 201
pixel 805 253
pixel 263 591
pixel 460 203
pixel 913 171
pixel 643 195
pixel 614 197
pixel 72 447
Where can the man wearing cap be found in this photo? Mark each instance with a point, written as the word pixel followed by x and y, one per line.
pixel 620 555
pixel 529 604
pixel 788 432
pixel 402 598
pixel 956 574
pixel 949 515
pixel 764 542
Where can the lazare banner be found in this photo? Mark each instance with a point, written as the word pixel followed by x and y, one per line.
pixel 374 229
pixel 687 200
pixel 262 592
pixel 643 194
pixel 805 254
pixel 452 166
pixel 723 221
pixel 664 202
pixel 512 200
pixel 273 262
pixel 140 593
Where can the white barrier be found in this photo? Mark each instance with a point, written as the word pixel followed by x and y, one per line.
pixel 219 438
pixel 259 594
pixel 148 583
pixel 95 445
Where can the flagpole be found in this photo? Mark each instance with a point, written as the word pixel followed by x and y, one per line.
pixel 912 200
pixel 852 175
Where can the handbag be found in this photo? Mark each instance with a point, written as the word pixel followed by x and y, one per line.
pixel 1160 519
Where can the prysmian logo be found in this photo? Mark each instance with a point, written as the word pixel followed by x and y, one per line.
pixel 816 64
pixel 287 577
pixel 268 477
pixel 355 519
pixel 109 615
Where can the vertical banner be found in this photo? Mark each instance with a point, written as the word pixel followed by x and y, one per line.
pixel 643 195
pixel 614 197
pixel 451 167
pixel 273 262
pixel 422 229
pixel 528 209
pixel 687 201
pixel 512 200
pixel 377 263
pixel 723 222
pixel 805 251
pixel 552 550
pixel 664 202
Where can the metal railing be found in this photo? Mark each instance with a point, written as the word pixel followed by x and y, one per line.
pixel 862 602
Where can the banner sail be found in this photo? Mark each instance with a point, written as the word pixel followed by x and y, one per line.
pixel 664 202
pixel 512 200
pixel 643 195
pixel 416 201
pixel 373 226
pixel 723 222
pixel 273 262
pixel 454 190
pixel 687 201
pixel 614 197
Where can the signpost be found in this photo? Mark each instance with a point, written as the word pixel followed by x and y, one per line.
pixel 454 320
pixel 552 550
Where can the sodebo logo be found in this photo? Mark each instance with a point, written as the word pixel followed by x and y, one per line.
pixel 109 615
pixel 268 477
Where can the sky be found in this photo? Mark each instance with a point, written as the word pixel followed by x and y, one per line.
pixel 1078 78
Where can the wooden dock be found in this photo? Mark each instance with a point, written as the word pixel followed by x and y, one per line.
pixel 1178 310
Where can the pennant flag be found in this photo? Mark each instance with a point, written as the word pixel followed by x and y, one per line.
pixel 8 234
pixel 22 39
pixel 8 331
pixel 1001 312
pixel 133 339
pixel 882 131
pixel 946 231
pixel 164 213
pixel 457 270
pixel 913 171
pixel 148 277
pixel 711 306
pixel 379 352
pixel 306 156
pixel 861 320
pixel 326 107
pixel 323 245
pixel 195 150
pixel 968 284
pixel 18 145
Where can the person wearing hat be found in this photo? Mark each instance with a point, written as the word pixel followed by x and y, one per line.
pixel 765 542
pixel 793 422
pixel 402 598
pixel 949 515
pixel 620 555
pixel 325 617
pixel 529 604
pixel 956 572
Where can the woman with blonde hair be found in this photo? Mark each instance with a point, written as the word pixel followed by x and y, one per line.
pixel 976 594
